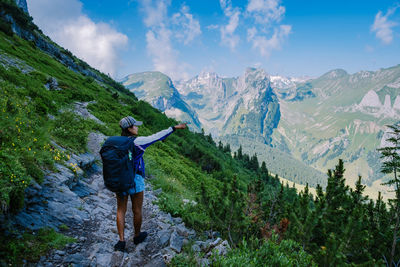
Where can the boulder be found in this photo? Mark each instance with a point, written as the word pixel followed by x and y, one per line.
pixel 176 242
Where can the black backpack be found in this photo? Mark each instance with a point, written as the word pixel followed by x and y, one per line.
pixel 118 155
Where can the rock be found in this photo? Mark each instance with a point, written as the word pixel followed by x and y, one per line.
pixel 212 234
pixel 103 260
pixel 82 189
pixel 52 84
pixel 164 236
pixel 178 221
pixel 22 4
pixel 156 262
pixel 176 242
pixel 182 230
pixel 76 258
pixel 57 257
pixel 196 248
pixel 168 254
pixel 60 252
pixel 168 219
pixel 157 191
pixel 222 249
pixel 215 242
pixel 204 262
pixel 163 225
pixel 94 143
pixel 201 244
pixel 80 109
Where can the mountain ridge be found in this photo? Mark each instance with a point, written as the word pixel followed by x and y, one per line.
pixel 315 110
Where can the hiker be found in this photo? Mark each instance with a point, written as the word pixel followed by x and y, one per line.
pixel 129 127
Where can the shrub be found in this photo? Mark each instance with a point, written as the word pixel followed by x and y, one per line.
pixel 270 253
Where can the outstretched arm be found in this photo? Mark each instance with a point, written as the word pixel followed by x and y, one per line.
pixel 180 126
pixel 144 141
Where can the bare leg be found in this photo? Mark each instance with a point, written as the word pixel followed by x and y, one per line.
pixel 137 203
pixel 121 210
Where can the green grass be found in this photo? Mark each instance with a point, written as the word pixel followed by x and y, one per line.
pixel 30 246
pixel 253 254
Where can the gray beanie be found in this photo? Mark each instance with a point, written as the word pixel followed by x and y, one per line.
pixel 128 122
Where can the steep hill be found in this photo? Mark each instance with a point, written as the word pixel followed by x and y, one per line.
pixel 54 109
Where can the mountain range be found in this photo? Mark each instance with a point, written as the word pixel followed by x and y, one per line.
pixel 299 126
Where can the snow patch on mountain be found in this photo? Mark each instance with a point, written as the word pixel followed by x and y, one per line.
pixel 282 82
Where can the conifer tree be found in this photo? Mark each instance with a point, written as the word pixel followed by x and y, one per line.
pixel 355 234
pixel 254 163
pixel 336 198
pixel 264 172
pixel 303 218
pixel 391 165
pixel 227 148
pixel 220 146
pixel 240 153
pixel 236 218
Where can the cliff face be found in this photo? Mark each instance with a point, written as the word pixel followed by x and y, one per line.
pixel 22 4
pixel 246 105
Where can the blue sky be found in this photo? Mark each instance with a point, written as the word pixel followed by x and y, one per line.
pixel 184 38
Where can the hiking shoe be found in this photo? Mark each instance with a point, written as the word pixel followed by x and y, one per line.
pixel 140 238
pixel 120 246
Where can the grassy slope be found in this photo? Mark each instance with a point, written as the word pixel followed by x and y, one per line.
pixel 27 132
pixel 311 123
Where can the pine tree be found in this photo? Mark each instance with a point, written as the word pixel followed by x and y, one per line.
pixel 236 219
pixel 356 234
pixel 391 165
pixel 227 148
pixel 336 199
pixel 254 163
pixel 220 146
pixel 303 218
pixel 240 153
pixel 264 172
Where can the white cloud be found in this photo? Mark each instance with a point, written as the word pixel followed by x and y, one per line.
pixel 156 12
pixel 265 11
pixel 266 45
pixel 383 26
pixel 228 36
pixel 266 15
pixel 190 27
pixel 96 43
pixel 163 30
pixel 164 56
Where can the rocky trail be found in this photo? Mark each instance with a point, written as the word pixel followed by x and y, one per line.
pixel 78 205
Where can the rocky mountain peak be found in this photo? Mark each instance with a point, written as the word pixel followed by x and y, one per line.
pixel 22 4
pixel 255 80
pixel 334 74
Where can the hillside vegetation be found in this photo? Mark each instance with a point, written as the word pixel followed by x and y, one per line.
pixel 201 182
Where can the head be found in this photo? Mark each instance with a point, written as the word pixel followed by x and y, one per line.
pixel 129 126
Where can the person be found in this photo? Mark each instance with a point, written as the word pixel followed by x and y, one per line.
pixel 129 127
